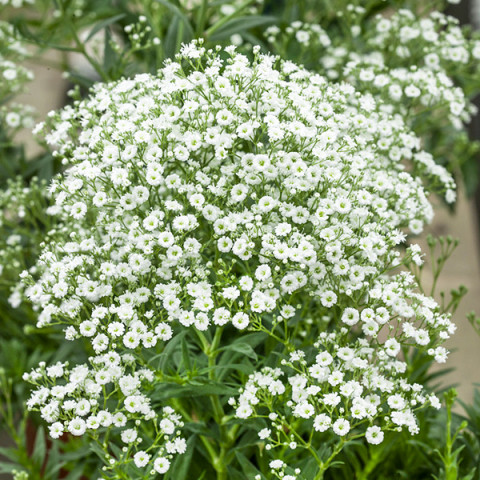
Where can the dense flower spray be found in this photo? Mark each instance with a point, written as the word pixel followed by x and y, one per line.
pixel 224 195
pixel 423 65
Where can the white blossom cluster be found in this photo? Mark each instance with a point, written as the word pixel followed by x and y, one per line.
pixel 78 403
pixel 306 34
pixel 13 77
pixel 226 8
pixel 227 193
pixel 413 60
pixel 12 73
pixel 410 61
pixel 18 204
pixel 352 384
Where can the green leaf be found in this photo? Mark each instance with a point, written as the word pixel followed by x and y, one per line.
pixel 39 448
pixel 104 24
pixel 42 167
pixel 180 15
pixel 7 467
pixel 240 24
pixel 471 475
pixel 191 389
pixel 253 339
pixel 164 357
pixel 186 355
pixel 77 472
pixel 55 463
pixel 249 439
pixel 170 41
pixel 246 368
pixel 10 453
pixel 198 428
pixel 76 454
pixel 248 469
pixel 95 447
pixel 243 348
pixel 203 386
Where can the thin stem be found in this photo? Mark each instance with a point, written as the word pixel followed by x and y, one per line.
pixel 325 465
pixel 81 48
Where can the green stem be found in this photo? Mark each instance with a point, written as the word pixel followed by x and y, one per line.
pixel 450 464
pixel 323 466
pixel 81 48
pixel 226 441
pixel 205 440
pixel 375 456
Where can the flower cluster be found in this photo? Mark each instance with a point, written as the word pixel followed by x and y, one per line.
pixel 226 8
pixel 416 64
pixel 307 35
pixel 12 73
pixel 78 404
pixel 352 382
pixel 224 193
pixel 20 208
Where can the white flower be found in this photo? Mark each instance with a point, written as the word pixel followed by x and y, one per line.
pixel 141 459
pixel 161 465
pixel 264 433
pixel 374 435
pixel 322 422
pixel 56 430
pixel 77 426
pixel 341 427
pixel 129 435
pixel 240 320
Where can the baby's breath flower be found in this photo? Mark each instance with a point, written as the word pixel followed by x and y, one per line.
pixel 230 194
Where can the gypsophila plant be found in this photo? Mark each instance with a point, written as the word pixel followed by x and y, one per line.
pixel 231 254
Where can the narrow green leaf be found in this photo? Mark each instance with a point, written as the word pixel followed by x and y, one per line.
pixel 248 469
pixel 95 447
pixel 179 14
pixel 104 24
pixel 246 368
pixel 7 467
pixel 55 463
pixel 10 453
pixel 164 357
pixel 110 56
pixel 77 472
pixel 243 348
pixel 170 42
pixel 241 24
pixel 39 448
pixel 206 387
pixel 174 390
pixel 253 339
pixel 186 355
